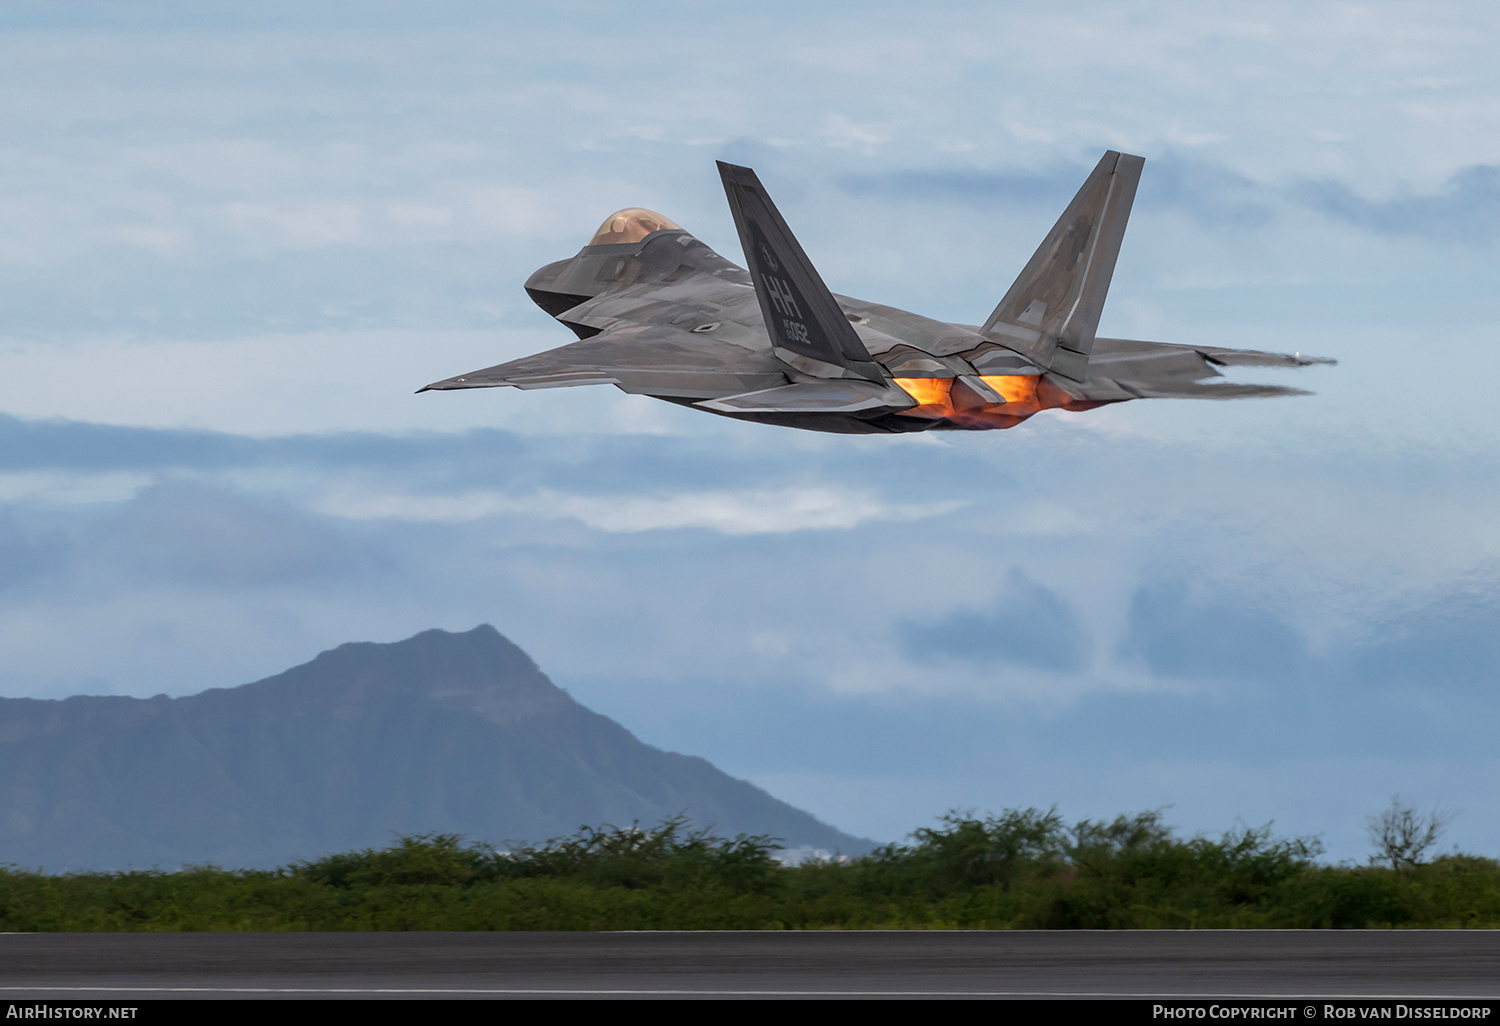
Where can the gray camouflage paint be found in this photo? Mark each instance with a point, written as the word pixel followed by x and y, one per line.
pixel 663 315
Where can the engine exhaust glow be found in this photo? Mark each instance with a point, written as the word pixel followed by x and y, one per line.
pixel 1024 394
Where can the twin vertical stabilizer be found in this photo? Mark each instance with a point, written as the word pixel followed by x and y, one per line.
pixel 808 328
pixel 1051 312
pixel 1049 315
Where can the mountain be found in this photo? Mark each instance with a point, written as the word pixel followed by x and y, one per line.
pixel 454 733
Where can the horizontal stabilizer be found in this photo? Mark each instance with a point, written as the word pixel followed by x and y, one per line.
pixel 1122 368
pixel 808 328
pixel 1217 390
pixel 1256 358
pixel 1052 311
pixel 843 395
pixel 1130 348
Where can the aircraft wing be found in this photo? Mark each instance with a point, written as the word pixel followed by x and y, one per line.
pixel 650 359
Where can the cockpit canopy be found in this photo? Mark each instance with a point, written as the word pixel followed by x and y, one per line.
pixel 630 225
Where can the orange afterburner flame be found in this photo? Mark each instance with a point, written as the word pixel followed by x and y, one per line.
pixel 1025 394
pixel 931 395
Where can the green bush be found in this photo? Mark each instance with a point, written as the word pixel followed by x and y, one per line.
pixel 1022 868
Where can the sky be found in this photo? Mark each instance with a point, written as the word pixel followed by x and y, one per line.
pixel 236 237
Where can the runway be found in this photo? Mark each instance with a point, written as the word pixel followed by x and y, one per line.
pixel 832 964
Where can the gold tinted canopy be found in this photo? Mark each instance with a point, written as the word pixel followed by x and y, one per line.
pixel 630 225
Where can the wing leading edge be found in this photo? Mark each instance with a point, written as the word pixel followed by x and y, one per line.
pixel 642 359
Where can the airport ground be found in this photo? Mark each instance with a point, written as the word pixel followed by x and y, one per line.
pixel 1162 965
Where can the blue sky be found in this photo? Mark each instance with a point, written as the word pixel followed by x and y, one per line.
pixel 234 238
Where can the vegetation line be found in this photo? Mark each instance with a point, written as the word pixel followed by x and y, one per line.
pixel 1021 869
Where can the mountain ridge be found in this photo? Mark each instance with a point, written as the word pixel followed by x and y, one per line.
pixel 441 732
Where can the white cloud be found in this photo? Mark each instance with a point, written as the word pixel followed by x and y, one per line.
pixel 419 214
pixel 285 384
pixel 158 240
pixel 70 488
pixel 302 224
pixel 751 511
pixel 513 209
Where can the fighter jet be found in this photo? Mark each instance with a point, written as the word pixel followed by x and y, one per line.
pixel 659 313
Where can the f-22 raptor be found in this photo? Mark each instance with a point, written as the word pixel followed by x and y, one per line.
pixel 659 313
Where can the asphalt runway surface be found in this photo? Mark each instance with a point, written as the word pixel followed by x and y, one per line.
pixel 935 964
